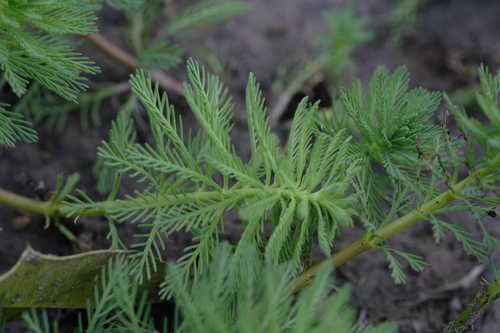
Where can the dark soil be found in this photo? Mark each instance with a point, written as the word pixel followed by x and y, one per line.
pixel 442 51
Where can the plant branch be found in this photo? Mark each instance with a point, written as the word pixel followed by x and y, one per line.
pixel 45 208
pixel 370 241
pixel 25 204
pixel 105 207
pixel 131 63
pixel 365 243
pixel 119 55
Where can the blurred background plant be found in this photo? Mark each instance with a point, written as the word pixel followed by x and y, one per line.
pixel 36 45
pixel 345 31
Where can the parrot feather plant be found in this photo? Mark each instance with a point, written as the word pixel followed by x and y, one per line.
pixel 376 158
pixel 385 150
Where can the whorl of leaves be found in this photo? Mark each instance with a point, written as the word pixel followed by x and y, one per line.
pixel 192 180
pixel 393 131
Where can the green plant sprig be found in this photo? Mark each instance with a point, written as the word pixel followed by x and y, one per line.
pixel 291 186
pixel 372 240
pixel 302 193
pixel 365 243
pixel 374 164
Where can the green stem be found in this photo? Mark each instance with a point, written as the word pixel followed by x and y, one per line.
pixel 105 207
pixel 358 247
pixel 465 322
pixel 369 241
pixel 25 204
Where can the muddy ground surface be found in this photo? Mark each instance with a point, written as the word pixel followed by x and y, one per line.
pixel 450 39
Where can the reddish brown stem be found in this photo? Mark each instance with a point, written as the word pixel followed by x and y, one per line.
pixel 114 51
pixel 131 63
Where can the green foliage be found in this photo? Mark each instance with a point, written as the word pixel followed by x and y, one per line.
pixel 381 159
pixel 41 106
pixel 488 293
pixel 481 197
pixel 32 44
pixel 157 49
pixel 416 263
pixel 39 325
pixel 393 123
pixel 403 155
pixel 301 191
pixel 161 54
pixel 117 305
pixel 122 133
pixel 488 98
pixel 253 295
pixel 344 33
pixel 403 17
pixel 305 191
pixel 14 128
pixel 151 52
pixel 126 5
pixel 393 131
pixel 30 283
pixel 204 13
